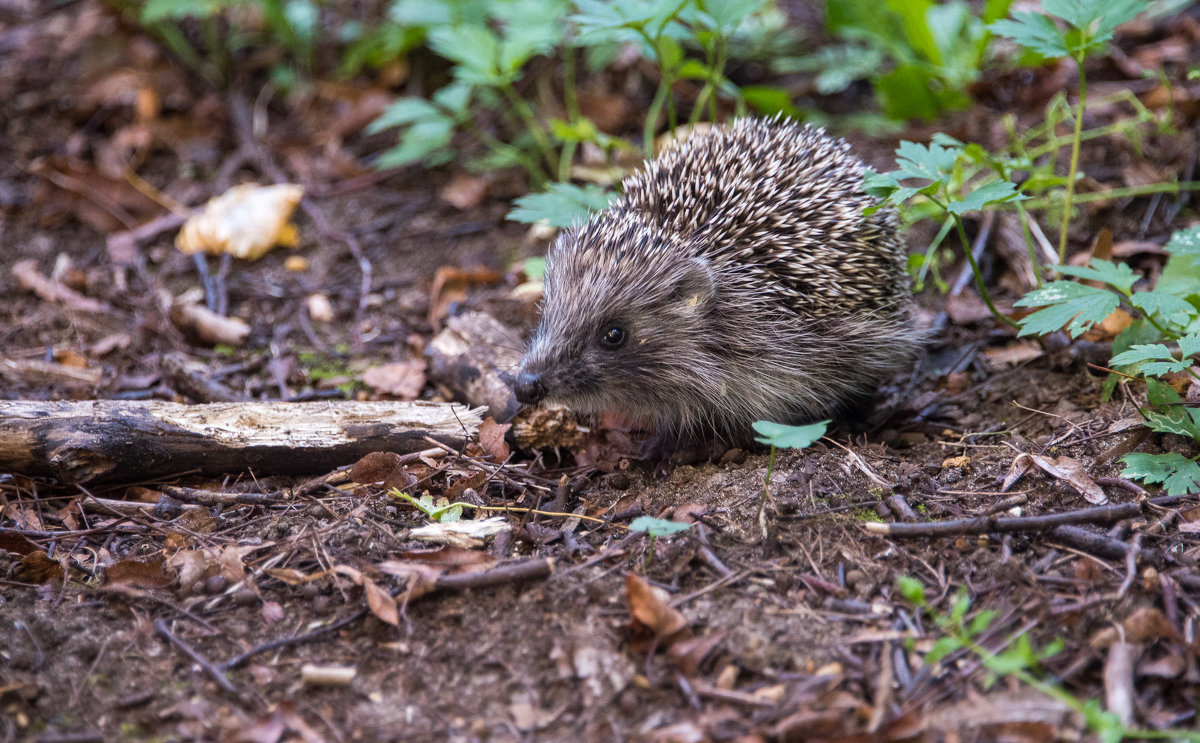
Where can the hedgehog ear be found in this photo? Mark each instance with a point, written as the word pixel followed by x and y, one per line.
pixel 694 284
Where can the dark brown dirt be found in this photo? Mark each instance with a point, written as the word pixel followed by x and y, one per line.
pixel 810 638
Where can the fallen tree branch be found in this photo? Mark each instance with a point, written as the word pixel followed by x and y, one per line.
pixel 109 439
pixel 993 524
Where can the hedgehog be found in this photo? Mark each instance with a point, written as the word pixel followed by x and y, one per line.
pixel 736 279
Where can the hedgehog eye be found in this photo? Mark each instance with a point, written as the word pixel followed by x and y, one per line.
pixel 613 337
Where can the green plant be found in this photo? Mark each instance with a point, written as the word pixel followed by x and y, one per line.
pixel 1170 311
pixel 441 512
pixel 1089 26
pixel 226 27
pixel 920 56
pixel 783 436
pixel 1019 659
pixel 940 181
pixel 498 99
pixel 655 528
pixel 561 204
pixel 664 28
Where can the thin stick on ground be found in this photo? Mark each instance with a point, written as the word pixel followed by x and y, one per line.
pixel 990 524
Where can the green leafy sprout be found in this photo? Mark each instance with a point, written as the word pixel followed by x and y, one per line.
pixel 655 528
pixel 492 47
pixel 1018 659
pixel 781 435
pixel 920 56
pixel 441 512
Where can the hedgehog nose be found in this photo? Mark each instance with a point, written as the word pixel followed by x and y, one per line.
pixel 529 388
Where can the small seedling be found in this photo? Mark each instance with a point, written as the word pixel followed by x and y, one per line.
pixel 442 511
pixel 786 437
pixel 655 528
pixel 1018 659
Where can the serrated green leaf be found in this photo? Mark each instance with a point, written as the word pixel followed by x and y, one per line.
pixel 885 186
pixel 920 161
pixel 727 15
pixel 1035 32
pixel 418 142
pixel 1091 25
pixel 1184 242
pixel 789 437
pixel 1119 275
pixel 1067 304
pixel 561 204
pixel 475 49
pixel 1167 413
pixel 1190 345
pixel 995 192
pixel 1177 473
pixel 454 97
pixel 1161 394
pixel 1142 352
pixel 1169 307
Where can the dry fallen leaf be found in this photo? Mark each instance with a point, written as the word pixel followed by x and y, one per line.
pixel 1015 353
pixel 450 285
pixel 650 608
pixel 402 379
pixel 491 439
pixel 464 191
pixel 147 573
pixel 1063 468
pixel 37 567
pixel 246 222
pixel 380 602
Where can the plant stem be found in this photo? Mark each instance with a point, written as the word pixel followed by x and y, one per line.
pixel 1116 193
pixel 1074 167
pixel 1166 333
pixel 652 114
pixel 536 173
pixel 571 102
pixel 937 241
pixel 525 113
pixel 983 292
pixel 570 94
pixel 1033 259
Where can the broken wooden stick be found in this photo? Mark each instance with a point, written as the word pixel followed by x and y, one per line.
pixel 1010 524
pixel 109 439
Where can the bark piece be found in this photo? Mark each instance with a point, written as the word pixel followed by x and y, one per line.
pixel 114 440
pixel 475 356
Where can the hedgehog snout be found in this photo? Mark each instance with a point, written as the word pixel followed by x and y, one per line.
pixel 529 388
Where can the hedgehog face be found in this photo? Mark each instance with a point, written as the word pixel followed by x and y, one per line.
pixel 622 309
